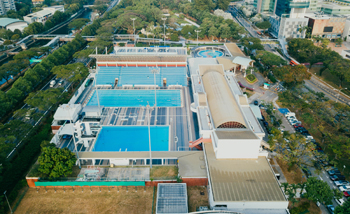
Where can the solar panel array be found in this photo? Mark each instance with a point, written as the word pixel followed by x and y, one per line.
pixel 172 198
pixel 141 76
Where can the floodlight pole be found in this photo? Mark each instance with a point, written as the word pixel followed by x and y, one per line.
pixel 164 28
pixel 149 134
pixel 197 31
pixel 8 203
pixel 75 145
pixel 133 26
pixel 155 71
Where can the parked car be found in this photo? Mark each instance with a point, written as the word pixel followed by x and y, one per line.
pixel 291 118
pixel 330 208
pixel 346 193
pixel 339 201
pixel 328 168
pixel 337 177
pixel 256 102
pixel 298 125
pixel 306 171
pixel 341 183
pixel 294 122
pixel 60 83
pixel 344 188
pixel 333 172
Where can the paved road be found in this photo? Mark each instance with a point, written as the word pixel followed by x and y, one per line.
pixel 316 85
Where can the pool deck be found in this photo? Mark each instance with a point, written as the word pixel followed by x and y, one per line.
pixel 179 120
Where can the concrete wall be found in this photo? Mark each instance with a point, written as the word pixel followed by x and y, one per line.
pixel 258 205
pixel 195 181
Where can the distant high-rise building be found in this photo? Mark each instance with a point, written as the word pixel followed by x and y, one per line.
pixel 264 6
pixel 6 5
pixel 289 20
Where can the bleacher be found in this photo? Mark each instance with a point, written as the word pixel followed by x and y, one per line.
pixel 141 76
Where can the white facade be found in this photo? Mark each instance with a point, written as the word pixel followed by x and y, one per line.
pixel 6 5
pixel 43 15
pixel 346 32
pixel 17 25
pixel 287 27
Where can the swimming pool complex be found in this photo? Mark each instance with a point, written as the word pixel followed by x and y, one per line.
pixel 210 53
pixel 136 98
pixel 132 139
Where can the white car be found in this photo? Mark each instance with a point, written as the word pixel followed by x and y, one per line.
pixel 291 118
pixel 294 122
pixel 341 183
pixel 344 188
pixel 339 201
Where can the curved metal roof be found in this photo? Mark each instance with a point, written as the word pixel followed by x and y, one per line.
pixel 223 106
pixel 6 21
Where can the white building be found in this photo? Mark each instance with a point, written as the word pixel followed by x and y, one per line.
pixel 13 24
pixel 6 5
pixel 43 15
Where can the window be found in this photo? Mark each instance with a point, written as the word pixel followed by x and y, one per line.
pixel 328 29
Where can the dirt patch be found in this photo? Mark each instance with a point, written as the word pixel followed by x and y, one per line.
pixel 164 172
pixel 294 176
pixel 88 202
pixel 195 199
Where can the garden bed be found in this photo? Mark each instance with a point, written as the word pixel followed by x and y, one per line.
pixel 251 78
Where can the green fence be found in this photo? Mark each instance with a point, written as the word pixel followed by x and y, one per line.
pixel 89 183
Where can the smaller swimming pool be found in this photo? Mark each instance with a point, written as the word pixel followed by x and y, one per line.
pixel 210 53
pixel 132 139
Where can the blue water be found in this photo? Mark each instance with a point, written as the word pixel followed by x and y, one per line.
pixel 283 110
pixel 141 76
pixel 136 98
pixel 132 139
pixel 210 54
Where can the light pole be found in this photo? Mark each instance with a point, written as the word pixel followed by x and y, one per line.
pixel 164 28
pixel 133 26
pixel 8 201
pixel 197 31
pixel 155 71
pixel 149 134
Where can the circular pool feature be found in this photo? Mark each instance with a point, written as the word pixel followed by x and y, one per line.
pixel 210 53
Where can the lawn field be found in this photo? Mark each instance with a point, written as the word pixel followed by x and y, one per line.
pixel 88 202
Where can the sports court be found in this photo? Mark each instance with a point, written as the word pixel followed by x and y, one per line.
pixel 136 98
pixel 132 139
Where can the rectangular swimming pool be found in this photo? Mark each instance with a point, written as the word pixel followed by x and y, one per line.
pixel 136 98
pixel 132 139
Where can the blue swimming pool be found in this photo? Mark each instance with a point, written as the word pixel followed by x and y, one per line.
pixel 210 53
pixel 136 98
pixel 132 139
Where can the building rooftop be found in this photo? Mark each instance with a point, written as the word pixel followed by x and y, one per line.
pixel 223 106
pixel 6 21
pixel 235 134
pixel 149 51
pixel 234 49
pixel 192 165
pixel 242 179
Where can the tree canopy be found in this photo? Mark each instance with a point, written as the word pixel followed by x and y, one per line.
pixel 44 99
pixel 263 25
pixel 319 191
pixel 56 162
pixel 292 75
pixel 78 23
pixel 344 209
pixel 269 59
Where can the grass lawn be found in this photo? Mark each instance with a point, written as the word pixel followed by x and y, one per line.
pixel 294 176
pixel 168 172
pixel 195 199
pixel 87 201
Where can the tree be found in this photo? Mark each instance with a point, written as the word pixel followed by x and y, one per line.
pixel 24 85
pixel 202 5
pixel 27 54
pixel 15 37
pixel 269 59
pixel 292 75
pixel 34 28
pixel 252 43
pixel 44 99
pixel 344 209
pixel 291 148
pixel 319 191
pixel 223 4
pixel 55 162
pixel 5 103
pixel 78 23
pixel 72 72
pixel 263 25
pixel 174 37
